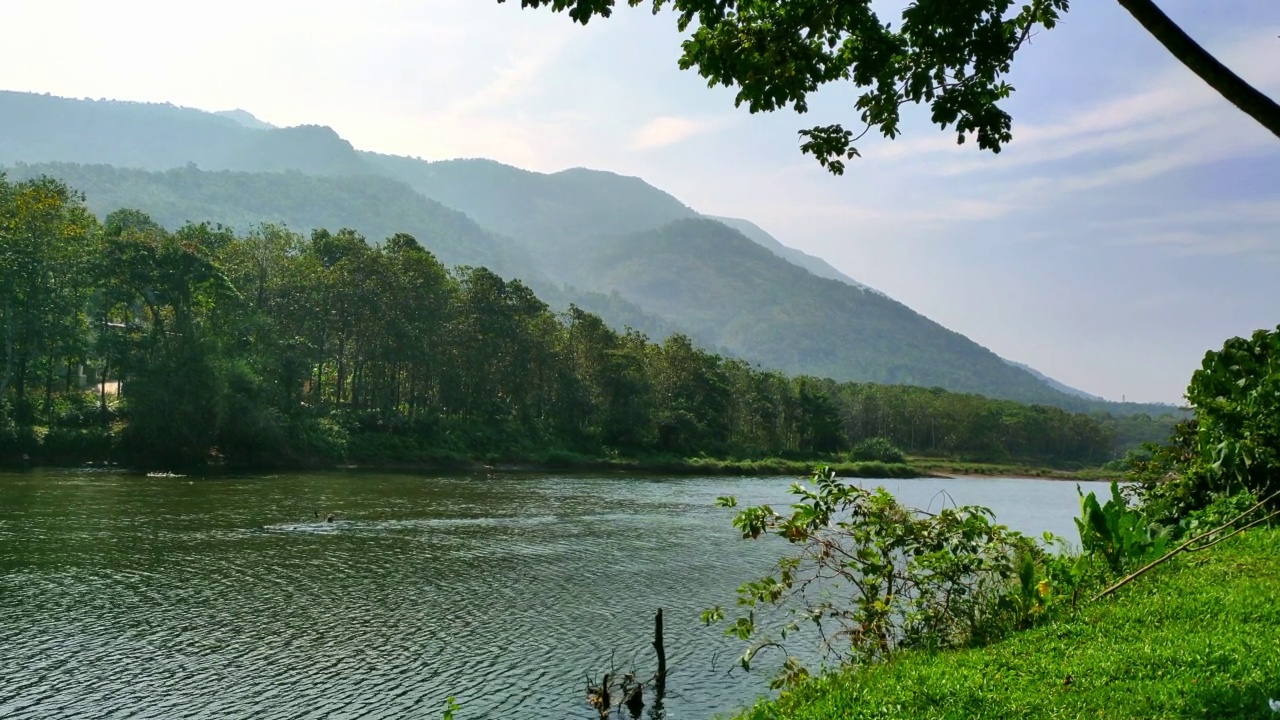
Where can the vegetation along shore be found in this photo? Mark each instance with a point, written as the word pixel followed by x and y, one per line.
pixel 130 343
pixel 1164 605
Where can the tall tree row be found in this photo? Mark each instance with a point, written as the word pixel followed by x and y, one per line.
pixel 122 338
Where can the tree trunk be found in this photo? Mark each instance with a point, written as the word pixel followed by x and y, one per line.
pixel 48 393
pixel 8 347
pixel 1219 77
pixel 660 680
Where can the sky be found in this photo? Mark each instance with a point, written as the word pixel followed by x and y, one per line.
pixel 1132 225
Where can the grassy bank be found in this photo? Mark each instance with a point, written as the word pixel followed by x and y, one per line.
pixel 1196 638
pixel 712 466
pixel 938 466
pixel 540 462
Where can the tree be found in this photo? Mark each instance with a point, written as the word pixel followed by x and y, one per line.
pixel 949 54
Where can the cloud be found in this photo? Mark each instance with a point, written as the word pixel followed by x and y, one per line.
pixel 667 130
pixel 1133 133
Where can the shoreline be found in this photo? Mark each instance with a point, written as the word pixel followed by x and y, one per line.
pixel 914 468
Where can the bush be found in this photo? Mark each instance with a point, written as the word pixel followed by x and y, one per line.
pixel 318 437
pixel 1118 533
pixel 69 445
pixel 1233 443
pixel 877 449
pixel 891 578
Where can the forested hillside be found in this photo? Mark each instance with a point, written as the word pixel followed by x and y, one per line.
pixel 610 243
pixel 270 347
pixel 378 207
pixel 815 265
pixel 373 206
pixel 544 210
pixel 742 296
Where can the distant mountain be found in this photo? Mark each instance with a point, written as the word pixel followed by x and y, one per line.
pixel 246 119
pixel 1060 387
pixel 375 206
pixel 40 128
pixel 815 265
pixel 613 244
pixel 539 208
pixel 732 292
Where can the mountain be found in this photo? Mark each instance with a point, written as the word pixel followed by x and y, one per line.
pixel 815 265
pixel 542 209
pixel 611 243
pixel 41 128
pixel 246 119
pixel 1060 387
pixel 374 206
pixel 730 291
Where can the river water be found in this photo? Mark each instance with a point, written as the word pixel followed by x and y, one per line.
pixel 129 596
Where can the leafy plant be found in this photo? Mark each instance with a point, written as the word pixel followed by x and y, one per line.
pixel 877 449
pixel 874 576
pixel 451 708
pixel 1116 531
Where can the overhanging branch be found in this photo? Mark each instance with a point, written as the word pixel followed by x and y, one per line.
pixel 1228 84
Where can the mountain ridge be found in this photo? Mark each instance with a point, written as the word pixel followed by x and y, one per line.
pixel 531 216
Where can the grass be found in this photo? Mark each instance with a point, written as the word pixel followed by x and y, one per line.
pixel 960 467
pixel 1196 638
pixel 673 465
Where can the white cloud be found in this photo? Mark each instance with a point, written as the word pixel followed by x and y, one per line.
pixel 666 130
pixel 1174 110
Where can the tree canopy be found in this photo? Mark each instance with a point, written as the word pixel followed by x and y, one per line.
pixel 951 55
pixel 122 339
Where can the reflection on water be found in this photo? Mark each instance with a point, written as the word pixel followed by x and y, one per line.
pixel 127 596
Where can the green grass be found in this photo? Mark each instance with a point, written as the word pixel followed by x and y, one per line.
pixel 1197 638
pixel 960 467
pixel 673 465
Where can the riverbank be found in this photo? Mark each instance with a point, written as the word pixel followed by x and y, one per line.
pixel 1194 638
pixel 942 468
pixel 550 462
pixel 397 460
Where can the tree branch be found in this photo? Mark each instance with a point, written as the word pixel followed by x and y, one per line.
pixel 1186 546
pixel 1219 77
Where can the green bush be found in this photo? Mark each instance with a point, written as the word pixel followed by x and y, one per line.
pixel 1233 443
pixel 877 449
pixel 318 438
pixel 1117 532
pixel 890 578
pixel 71 445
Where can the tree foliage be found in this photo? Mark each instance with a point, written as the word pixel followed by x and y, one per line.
pixel 270 346
pixel 1232 445
pixel 951 55
pixel 875 577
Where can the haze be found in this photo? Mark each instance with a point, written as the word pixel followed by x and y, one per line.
pixel 1130 227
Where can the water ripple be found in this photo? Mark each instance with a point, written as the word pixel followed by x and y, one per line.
pixel 171 598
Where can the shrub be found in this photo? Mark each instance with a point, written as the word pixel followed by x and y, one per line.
pixel 1117 532
pixel 892 577
pixel 877 449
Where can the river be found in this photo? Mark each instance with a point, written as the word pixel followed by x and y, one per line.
pixel 129 596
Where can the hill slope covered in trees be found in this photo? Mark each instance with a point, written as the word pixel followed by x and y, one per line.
pixel 612 243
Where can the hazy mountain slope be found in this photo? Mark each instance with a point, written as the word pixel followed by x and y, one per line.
pixel 313 149
pixel 733 292
pixel 39 128
pixel 535 226
pixel 246 118
pixel 42 128
pixel 538 208
pixel 377 207
pixel 815 265
pixel 1060 387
